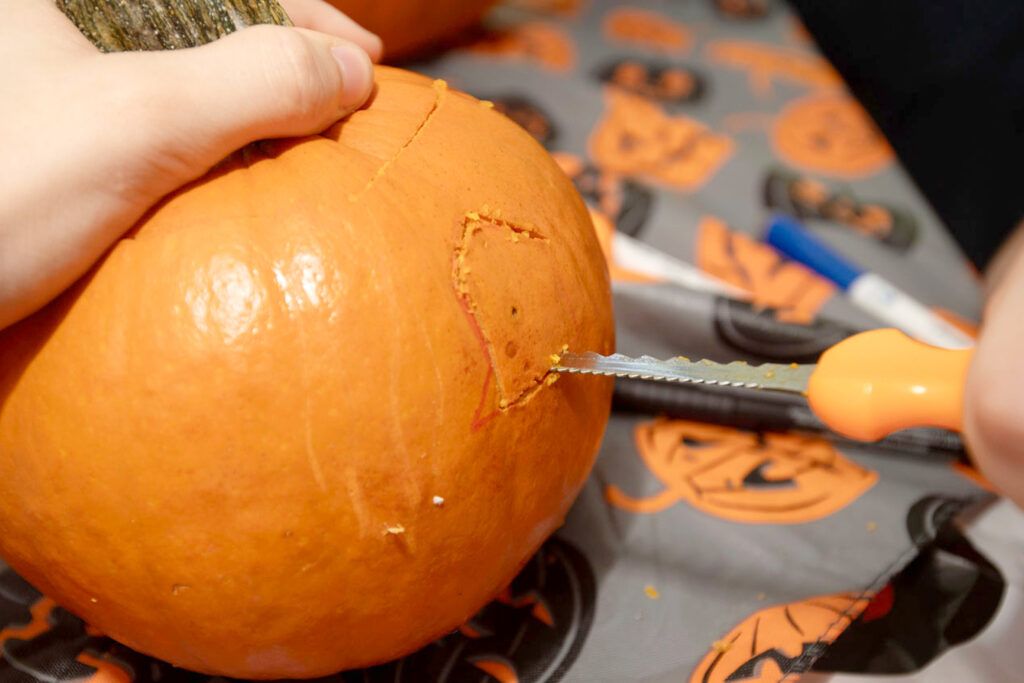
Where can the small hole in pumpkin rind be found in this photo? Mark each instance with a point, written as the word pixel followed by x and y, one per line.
pixel 515 311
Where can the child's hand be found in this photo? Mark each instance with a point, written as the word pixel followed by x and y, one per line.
pixel 91 141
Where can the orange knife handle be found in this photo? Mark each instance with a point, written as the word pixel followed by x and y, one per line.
pixel 879 382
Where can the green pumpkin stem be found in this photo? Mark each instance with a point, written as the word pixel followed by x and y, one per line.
pixel 125 25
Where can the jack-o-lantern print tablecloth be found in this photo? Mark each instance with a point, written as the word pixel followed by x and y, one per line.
pixel 697 552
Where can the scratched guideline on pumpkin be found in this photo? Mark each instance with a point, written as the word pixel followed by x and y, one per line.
pixel 346 452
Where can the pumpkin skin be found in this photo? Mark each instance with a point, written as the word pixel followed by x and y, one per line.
pixel 411 26
pixel 225 446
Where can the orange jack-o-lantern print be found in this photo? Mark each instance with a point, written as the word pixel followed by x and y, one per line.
pixel 968 327
pixel 558 8
pixel 950 594
pixel 798 33
pixel 795 293
pixel 743 476
pixel 764 64
pixel 780 641
pixel 830 134
pixel 40 641
pixel 606 236
pixel 636 138
pixel 647 29
pixel 538 42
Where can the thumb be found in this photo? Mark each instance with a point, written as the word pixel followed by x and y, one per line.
pixel 199 105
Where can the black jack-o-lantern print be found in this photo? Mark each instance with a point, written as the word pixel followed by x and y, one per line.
pixel 945 597
pixel 41 642
pixel 758 333
pixel 529 115
pixel 662 81
pixel 531 633
pixel 743 9
pixel 625 202
pixel 806 197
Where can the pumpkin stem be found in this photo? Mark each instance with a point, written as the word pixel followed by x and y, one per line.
pixel 124 25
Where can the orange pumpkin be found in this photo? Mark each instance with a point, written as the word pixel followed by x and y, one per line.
pixel 409 26
pixel 300 419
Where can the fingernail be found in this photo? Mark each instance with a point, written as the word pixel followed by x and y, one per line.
pixel 356 74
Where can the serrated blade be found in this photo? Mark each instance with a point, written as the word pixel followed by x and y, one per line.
pixel 768 376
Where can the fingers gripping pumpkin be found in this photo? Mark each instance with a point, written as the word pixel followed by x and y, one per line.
pixel 300 419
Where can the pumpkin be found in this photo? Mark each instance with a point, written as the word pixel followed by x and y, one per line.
pixel 301 418
pixel 411 26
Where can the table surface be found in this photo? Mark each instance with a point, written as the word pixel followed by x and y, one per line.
pixel 700 552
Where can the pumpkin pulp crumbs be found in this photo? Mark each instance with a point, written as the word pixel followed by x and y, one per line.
pixel 721 646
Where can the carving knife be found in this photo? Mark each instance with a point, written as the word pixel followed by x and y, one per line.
pixel 865 387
